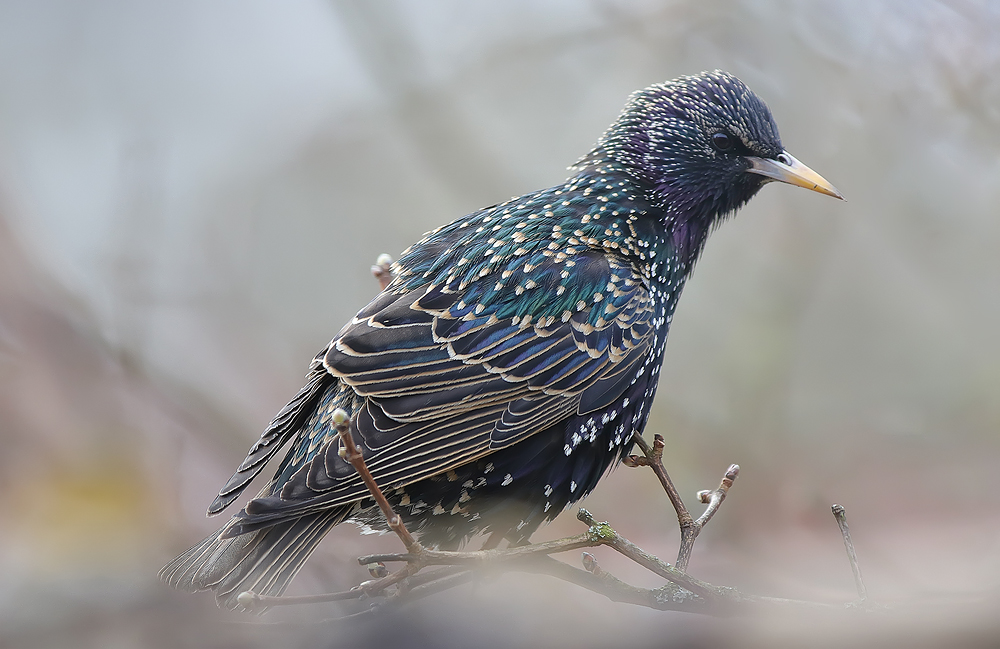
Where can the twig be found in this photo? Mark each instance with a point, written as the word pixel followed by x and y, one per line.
pixel 419 586
pixel 483 557
pixel 382 270
pixel 714 498
pixel 352 454
pixel 440 582
pixel 612 539
pixel 417 557
pixel 654 460
pixel 682 592
pixel 689 527
pixel 252 601
pixel 670 597
pixel 841 515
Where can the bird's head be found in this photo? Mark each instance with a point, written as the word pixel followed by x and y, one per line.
pixel 702 146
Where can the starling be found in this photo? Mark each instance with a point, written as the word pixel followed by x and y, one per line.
pixel 515 352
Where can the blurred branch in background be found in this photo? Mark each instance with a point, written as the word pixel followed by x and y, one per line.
pixel 133 249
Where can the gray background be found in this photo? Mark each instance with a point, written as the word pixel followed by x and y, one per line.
pixel 191 194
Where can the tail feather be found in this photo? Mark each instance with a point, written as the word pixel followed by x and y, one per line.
pixel 281 429
pixel 180 572
pixel 263 561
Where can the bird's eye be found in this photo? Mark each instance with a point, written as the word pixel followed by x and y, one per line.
pixel 722 141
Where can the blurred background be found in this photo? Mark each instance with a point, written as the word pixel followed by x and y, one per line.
pixel 191 195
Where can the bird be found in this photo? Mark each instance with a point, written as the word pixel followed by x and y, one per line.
pixel 515 352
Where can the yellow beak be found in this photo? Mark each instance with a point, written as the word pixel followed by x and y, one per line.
pixel 787 169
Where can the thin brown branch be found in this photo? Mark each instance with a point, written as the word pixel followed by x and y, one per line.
pixel 669 597
pixel 599 533
pixel 612 539
pixel 682 592
pixel 714 498
pixel 439 583
pixel 371 588
pixel 517 558
pixel 689 527
pixel 484 557
pixel 352 454
pixel 654 459
pixel 428 576
pixel 382 270
pixel 252 601
pixel 841 515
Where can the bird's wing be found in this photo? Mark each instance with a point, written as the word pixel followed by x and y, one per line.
pixel 450 372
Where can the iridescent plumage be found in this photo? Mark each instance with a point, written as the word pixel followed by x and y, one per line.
pixel 515 352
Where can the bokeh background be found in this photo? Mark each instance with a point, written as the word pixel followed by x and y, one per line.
pixel 191 194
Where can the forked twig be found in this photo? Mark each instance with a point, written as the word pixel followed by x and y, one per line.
pixel 689 526
pixel 253 601
pixel 714 498
pixel 682 592
pixel 417 557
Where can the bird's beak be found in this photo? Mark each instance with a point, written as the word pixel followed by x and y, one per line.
pixel 787 169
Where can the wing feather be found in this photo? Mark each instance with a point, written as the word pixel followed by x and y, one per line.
pixel 444 382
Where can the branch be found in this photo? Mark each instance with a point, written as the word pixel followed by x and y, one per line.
pixel 595 579
pixel 682 592
pixel 617 542
pixel 417 557
pixel 714 498
pixel 485 557
pixel 350 452
pixel 841 515
pixel 690 528
pixel 382 270
pixel 654 460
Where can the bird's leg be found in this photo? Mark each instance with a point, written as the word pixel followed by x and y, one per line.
pixel 689 527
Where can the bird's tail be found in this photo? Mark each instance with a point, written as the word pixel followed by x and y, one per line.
pixel 263 561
